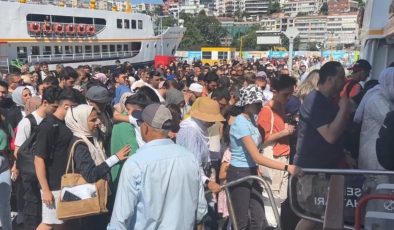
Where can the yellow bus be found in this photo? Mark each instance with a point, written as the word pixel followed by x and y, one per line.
pixel 211 55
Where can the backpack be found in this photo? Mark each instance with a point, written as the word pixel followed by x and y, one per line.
pixel 385 143
pixel 25 160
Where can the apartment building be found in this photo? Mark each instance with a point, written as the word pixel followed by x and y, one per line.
pixel 342 6
pixel 306 7
pixel 313 29
pixel 342 29
pixel 255 7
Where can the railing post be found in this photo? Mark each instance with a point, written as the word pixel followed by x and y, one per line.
pixel 333 217
pixel 231 209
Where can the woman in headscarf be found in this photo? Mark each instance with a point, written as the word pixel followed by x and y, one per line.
pixel 89 156
pixel 20 96
pixel 371 112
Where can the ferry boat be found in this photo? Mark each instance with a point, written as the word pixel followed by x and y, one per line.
pixel 79 36
pixel 377 34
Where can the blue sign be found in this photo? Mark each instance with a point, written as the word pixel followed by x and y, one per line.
pixel 194 55
pixel 278 54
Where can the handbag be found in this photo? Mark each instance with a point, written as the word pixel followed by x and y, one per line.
pixel 77 197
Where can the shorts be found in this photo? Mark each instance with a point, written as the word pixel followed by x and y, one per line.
pixel 49 212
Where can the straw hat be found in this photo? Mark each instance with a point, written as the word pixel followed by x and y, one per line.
pixel 206 109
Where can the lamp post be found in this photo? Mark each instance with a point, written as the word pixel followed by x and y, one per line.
pixel 291 33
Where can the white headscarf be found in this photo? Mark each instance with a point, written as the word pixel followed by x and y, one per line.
pixel 77 121
pixel 17 96
pixel 385 88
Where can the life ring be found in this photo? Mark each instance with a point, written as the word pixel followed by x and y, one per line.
pixel 46 28
pixel 58 28
pixel 90 30
pixel 34 28
pixel 81 29
pixel 70 29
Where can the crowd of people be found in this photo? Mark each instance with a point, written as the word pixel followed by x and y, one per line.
pixel 167 138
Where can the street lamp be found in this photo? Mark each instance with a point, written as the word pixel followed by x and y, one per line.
pixel 291 33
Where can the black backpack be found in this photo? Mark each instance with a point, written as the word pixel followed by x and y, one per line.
pixel 385 143
pixel 25 160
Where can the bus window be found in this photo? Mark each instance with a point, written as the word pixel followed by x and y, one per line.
pixel 222 55
pixel 206 55
pixel 35 50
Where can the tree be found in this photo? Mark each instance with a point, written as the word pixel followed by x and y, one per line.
pixel 324 9
pixel 201 30
pixel 158 10
pixel 311 46
pixel 168 21
pixel 285 42
pixel 274 7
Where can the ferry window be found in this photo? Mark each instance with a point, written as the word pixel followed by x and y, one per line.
pixel 100 21
pixel 112 48
pixel 38 17
pixel 96 49
pixel 82 20
pixel 68 49
pixel 88 49
pixel 135 46
pixel 133 24
pixel 58 49
pixel 140 24
pixel 62 19
pixel 104 48
pixel 125 47
pixel 22 52
pixel 127 24
pixel 222 55
pixel 78 49
pixel 47 50
pixel 35 50
pixel 119 23
pixel 118 48
pixel 206 55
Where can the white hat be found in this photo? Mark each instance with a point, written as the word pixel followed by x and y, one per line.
pixel 195 87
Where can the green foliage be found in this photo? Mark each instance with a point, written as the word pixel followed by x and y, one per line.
pixel 324 9
pixel 249 39
pixel 168 22
pixel 285 42
pixel 17 63
pixel 202 30
pixel 361 3
pixel 274 7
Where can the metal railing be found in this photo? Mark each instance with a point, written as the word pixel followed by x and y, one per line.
pixel 293 180
pixel 4 64
pixel 265 186
pixel 81 56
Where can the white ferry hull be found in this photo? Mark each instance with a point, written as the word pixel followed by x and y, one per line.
pixel 109 43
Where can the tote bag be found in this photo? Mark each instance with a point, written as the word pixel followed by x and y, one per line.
pixel 77 197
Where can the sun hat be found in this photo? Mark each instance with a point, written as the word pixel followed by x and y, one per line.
pixel 206 109
pixel 98 94
pixel 249 95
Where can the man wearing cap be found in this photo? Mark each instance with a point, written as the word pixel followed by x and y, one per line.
pixel 98 97
pixel 159 186
pixel 262 83
pixel 360 72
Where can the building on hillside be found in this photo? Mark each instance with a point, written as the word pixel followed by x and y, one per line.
pixel 342 6
pixel 256 7
pixel 313 29
pixel 103 5
pixel 303 7
pixel 343 30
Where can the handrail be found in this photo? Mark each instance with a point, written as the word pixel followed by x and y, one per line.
pixel 332 172
pixel 241 180
pixel 363 201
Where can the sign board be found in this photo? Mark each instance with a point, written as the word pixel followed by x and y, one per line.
pixel 268 40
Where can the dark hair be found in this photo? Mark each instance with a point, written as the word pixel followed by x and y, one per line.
pixel 94 82
pixel 176 117
pixel 329 69
pixel 282 82
pixel 52 80
pixel 232 111
pixel 220 93
pixel 71 95
pixel 140 99
pixel 224 82
pixel 150 93
pixel 154 74
pixel 211 76
pixel 51 94
pixel 4 84
pixel 67 73
pixel 44 63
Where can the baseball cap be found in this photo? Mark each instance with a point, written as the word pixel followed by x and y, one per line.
pixel 361 64
pixel 98 94
pixel 157 116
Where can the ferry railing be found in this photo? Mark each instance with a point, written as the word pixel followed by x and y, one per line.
pixel 4 64
pixel 81 56
pixel 265 186
pixel 308 194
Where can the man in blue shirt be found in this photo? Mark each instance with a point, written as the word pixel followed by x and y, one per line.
pixel 160 185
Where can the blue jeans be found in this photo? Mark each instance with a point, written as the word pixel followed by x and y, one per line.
pixel 5 196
